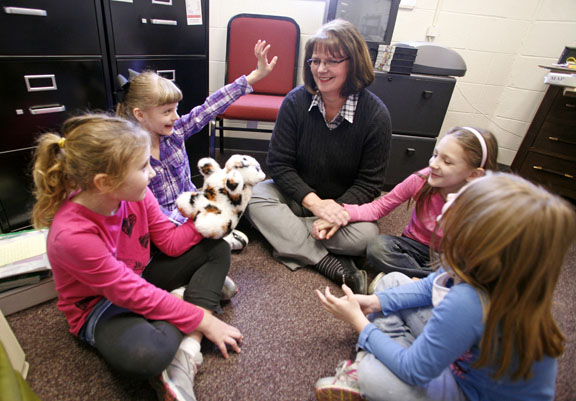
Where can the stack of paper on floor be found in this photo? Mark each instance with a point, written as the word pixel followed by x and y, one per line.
pixel 25 275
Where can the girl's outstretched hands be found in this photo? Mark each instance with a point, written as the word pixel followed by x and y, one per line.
pixel 264 67
pixel 347 308
pixel 220 333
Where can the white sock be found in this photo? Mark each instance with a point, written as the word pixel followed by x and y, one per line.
pixel 179 292
pixel 192 348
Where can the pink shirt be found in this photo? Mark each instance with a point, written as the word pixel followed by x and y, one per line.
pixel 419 230
pixel 95 256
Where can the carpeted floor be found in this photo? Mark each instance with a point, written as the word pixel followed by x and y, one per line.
pixel 290 341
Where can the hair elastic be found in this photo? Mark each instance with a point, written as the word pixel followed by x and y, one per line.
pixel 61 143
pixel 482 144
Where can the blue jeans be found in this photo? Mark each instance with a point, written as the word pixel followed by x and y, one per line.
pixel 377 382
pixel 388 253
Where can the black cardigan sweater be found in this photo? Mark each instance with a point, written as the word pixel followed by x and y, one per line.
pixel 346 164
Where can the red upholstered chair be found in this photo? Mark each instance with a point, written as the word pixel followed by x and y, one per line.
pixel 244 30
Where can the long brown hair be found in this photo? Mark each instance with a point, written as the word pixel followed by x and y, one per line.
pixel 507 238
pixel 89 145
pixel 473 156
pixel 340 38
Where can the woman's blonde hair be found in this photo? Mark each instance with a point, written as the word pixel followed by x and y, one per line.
pixel 472 155
pixel 341 39
pixel 147 90
pixel 90 144
pixel 507 238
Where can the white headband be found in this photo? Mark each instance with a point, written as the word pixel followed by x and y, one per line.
pixel 482 144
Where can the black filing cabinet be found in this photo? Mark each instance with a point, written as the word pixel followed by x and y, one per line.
pixel 417 105
pixel 158 35
pixel 61 58
pixel 53 64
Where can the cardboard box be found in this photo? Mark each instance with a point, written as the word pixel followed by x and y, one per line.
pixel 24 297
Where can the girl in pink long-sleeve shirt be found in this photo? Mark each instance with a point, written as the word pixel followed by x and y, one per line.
pixel 460 156
pixel 91 188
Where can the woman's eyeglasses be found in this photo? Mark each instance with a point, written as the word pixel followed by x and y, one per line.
pixel 315 62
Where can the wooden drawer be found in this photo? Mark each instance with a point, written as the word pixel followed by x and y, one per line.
pixel 563 110
pixel 556 174
pixel 557 138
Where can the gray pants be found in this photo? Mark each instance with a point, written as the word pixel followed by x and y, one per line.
pixel 287 226
pixel 377 382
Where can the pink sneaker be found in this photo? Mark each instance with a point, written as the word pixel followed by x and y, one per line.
pixel 341 387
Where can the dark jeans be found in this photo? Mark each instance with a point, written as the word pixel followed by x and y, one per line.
pixel 140 347
pixel 388 253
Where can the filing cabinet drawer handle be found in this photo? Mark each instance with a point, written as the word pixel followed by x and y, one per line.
pixel 40 80
pixel 556 139
pixel 565 175
pixel 168 74
pixel 427 94
pixel 163 21
pixel 37 12
pixel 164 2
pixel 47 109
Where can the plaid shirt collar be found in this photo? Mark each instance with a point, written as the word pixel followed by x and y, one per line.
pixel 346 112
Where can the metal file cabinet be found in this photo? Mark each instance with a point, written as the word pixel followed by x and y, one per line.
pixel 53 65
pixel 59 59
pixel 164 36
pixel 417 105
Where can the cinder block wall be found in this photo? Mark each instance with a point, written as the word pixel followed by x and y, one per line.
pixel 502 42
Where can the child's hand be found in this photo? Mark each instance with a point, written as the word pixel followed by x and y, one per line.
pixel 327 209
pixel 345 308
pixel 264 67
pixel 369 303
pixel 321 229
pixel 221 334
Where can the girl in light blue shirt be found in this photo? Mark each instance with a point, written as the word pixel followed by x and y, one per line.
pixel 479 328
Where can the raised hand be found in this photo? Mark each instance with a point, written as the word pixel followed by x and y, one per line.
pixel 264 67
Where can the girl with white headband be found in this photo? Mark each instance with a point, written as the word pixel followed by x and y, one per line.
pixel 462 155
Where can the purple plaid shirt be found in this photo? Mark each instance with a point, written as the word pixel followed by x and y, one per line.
pixel 173 169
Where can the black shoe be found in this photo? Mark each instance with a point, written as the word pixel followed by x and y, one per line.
pixel 358 282
pixel 354 278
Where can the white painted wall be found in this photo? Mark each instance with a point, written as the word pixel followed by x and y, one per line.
pixel 502 42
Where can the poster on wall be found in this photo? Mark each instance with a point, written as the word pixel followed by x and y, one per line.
pixel 194 12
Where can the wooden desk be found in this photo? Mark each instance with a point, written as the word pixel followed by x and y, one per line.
pixel 547 154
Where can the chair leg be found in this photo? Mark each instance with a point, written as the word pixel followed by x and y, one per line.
pixel 211 145
pixel 221 125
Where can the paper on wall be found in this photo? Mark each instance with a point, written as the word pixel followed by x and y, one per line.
pixel 194 12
